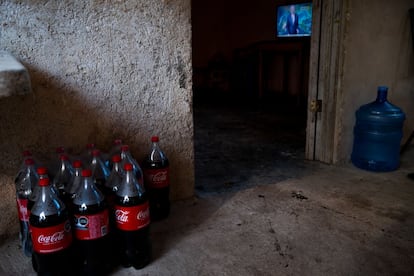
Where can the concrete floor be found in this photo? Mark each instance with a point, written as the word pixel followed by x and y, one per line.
pixel 241 145
pixel 319 220
pixel 335 221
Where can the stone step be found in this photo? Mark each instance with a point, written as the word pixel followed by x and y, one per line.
pixel 14 77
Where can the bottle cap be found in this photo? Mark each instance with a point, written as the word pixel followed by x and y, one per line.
pixel 86 173
pixel 128 167
pixel 116 158
pixel 41 170
pixel 27 153
pixel 155 139
pixel 382 88
pixel 44 182
pixel 125 148
pixel 382 94
pixel 96 152
pixel 117 142
pixel 90 146
pixel 77 164
pixel 29 161
pixel 60 150
pixel 63 157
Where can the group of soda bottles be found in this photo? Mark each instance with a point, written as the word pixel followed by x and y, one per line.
pixel 88 215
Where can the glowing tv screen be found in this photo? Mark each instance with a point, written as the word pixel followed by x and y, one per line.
pixel 294 20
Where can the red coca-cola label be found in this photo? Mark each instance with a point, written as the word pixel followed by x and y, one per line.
pixel 51 239
pixel 22 210
pixel 133 217
pixel 90 227
pixel 157 178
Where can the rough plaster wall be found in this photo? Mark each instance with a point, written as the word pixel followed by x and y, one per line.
pixel 378 51
pixel 99 70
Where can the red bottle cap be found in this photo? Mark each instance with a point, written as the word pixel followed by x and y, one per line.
pixel 77 164
pixel 116 158
pixel 60 150
pixel 96 152
pixel 44 182
pixel 63 157
pixel 90 146
pixel 155 139
pixel 86 173
pixel 29 161
pixel 41 170
pixel 27 153
pixel 117 142
pixel 125 148
pixel 128 167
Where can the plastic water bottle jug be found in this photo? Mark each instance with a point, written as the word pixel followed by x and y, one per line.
pixel 377 135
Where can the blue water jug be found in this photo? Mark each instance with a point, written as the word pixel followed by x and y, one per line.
pixel 377 135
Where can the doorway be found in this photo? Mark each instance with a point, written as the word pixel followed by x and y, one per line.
pixel 250 97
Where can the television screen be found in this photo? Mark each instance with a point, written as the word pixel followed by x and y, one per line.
pixel 294 20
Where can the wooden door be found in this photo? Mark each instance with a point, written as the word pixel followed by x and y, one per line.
pixel 325 72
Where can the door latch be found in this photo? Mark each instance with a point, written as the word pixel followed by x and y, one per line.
pixel 316 106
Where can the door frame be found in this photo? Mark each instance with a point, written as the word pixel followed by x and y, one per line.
pixel 325 77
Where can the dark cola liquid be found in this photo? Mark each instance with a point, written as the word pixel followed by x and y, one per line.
pixel 30 204
pixel 55 263
pixel 94 256
pixel 110 198
pixel 159 198
pixel 134 246
pixel 100 183
pixel 67 199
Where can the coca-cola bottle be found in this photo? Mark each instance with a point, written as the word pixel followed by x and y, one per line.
pixel 157 182
pixel 24 188
pixel 91 225
pixel 113 181
pixel 115 150
pixel 55 163
pixel 100 172
pixel 127 157
pixel 63 175
pixel 86 156
pixel 42 173
pixel 73 185
pixel 27 154
pixel 51 233
pixel 111 187
pixel 132 221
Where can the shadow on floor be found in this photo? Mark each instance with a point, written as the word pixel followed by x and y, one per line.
pixel 239 144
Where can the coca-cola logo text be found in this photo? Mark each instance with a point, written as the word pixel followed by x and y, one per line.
pixel 131 218
pixel 121 216
pixel 160 176
pixel 23 210
pixel 54 238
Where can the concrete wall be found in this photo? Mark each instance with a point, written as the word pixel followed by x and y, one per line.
pixel 99 70
pixel 378 51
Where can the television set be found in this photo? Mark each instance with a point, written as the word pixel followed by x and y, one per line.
pixel 294 20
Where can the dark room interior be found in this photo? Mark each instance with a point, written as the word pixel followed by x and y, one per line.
pixel 250 95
